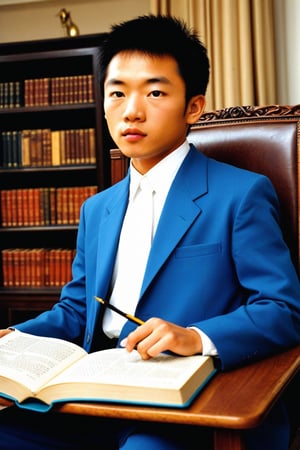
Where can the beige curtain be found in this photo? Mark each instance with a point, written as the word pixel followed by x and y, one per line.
pixel 239 37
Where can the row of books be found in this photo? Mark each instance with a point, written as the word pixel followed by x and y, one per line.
pixel 47 91
pixel 36 267
pixel 10 94
pixel 43 206
pixel 45 147
pixel 59 90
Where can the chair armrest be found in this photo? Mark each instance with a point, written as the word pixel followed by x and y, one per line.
pixel 242 398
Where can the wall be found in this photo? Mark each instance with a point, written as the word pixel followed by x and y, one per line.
pixel 287 25
pixel 39 19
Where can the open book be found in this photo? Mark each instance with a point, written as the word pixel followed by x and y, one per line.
pixel 37 371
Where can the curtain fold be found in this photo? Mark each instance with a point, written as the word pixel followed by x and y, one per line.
pixel 239 36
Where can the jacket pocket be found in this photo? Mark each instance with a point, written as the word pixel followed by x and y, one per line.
pixel 192 251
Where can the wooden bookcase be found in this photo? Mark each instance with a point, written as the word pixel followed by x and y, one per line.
pixel 50 59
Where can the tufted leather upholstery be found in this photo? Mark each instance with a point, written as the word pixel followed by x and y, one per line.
pixel 264 140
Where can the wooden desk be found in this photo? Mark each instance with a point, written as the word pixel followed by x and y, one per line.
pixel 231 402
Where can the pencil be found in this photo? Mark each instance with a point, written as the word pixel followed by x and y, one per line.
pixel 118 311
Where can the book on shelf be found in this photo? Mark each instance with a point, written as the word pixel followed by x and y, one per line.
pixel 43 206
pixel 31 92
pixel 37 372
pixel 63 90
pixel 46 147
pixel 41 92
pixel 10 94
pixel 36 267
pixel 71 89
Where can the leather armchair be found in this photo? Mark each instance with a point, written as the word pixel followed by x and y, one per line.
pixel 265 140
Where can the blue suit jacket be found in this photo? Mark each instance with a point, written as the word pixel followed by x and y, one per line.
pixel 218 262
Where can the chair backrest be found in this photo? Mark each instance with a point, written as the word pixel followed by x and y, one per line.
pixel 265 140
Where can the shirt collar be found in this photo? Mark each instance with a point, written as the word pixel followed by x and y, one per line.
pixel 162 174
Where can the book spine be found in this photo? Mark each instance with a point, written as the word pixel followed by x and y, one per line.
pixel 55 148
pixel 28 93
pixel 5 271
pixel 22 267
pixel 13 210
pixel 92 146
pixel 64 207
pixel 59 207
pixel 36 267
pixel 8 149
pixel 30 203
pixel 4 208
pixel 45 101
pixel 26 204
pixel 25 148
pixel 20 207
pixel 52 206
pixel 46 147
pixel 9 269
pixel 5 95
pixel 67 148
pixel 1 95
pixel 27 257
pixel 45 206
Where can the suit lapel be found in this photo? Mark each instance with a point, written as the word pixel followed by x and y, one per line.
pixel 109 232
pixel 180 210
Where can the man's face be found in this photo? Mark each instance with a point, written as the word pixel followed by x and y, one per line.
pixel 144 104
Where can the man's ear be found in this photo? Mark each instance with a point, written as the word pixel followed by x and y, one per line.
pixel 195 109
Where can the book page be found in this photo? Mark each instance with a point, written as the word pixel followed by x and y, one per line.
pixel 34 360
pixel 117 366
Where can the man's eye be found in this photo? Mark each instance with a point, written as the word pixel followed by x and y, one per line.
pixel 117 94
pixel 156 94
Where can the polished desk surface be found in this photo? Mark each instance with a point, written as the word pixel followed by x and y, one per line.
pixel 230 402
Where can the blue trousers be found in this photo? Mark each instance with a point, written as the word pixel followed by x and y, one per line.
pixel 26 430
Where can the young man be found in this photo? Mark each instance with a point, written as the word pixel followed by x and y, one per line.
pixel 217 278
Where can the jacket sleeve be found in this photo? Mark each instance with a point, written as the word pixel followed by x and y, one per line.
pixel 269 320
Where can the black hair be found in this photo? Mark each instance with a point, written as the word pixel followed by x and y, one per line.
pixel 160 35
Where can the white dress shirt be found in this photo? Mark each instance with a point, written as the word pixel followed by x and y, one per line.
pixel 160 178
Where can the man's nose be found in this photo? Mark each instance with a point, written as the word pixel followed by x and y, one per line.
pixel 134 110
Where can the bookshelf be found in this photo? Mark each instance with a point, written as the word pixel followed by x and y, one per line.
pixel 54 152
